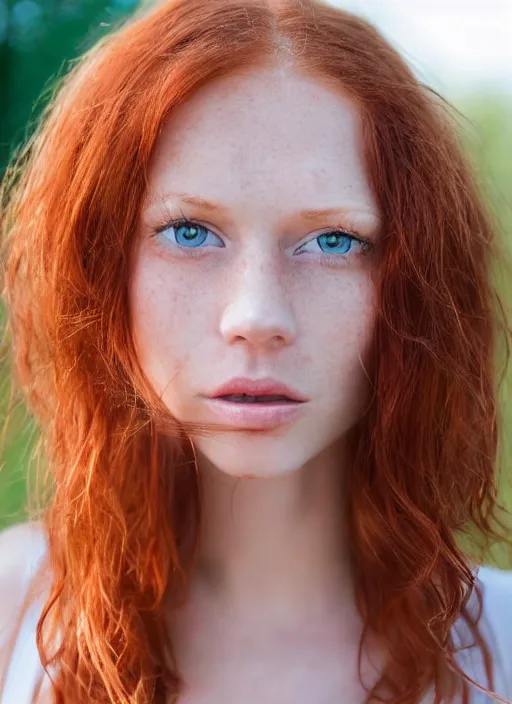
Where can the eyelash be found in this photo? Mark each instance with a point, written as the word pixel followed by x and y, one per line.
pixel 194 251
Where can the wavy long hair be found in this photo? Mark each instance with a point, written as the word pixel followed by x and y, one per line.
pixel 123 510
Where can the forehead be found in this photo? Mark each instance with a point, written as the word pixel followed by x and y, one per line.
pixel 270 133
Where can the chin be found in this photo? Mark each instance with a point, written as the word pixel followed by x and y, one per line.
pixel 257 458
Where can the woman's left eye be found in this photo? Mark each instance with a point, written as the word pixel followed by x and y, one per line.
pixel 335 242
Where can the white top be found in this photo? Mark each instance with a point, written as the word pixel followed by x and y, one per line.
pixel 496 624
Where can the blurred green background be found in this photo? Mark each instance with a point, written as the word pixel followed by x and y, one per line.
pixel 39 37
pixel 37 40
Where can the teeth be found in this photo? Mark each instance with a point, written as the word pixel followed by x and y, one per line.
pixel 245 398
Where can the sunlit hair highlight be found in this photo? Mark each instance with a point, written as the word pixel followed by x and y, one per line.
pixel 122 521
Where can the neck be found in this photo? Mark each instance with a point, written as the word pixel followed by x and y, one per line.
pixel 275 548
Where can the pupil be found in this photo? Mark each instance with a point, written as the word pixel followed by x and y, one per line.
pixel 192 233
pixel 332 240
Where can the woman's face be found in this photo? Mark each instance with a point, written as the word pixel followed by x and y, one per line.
pixel 262 283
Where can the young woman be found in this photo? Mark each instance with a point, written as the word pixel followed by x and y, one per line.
pixel 248 277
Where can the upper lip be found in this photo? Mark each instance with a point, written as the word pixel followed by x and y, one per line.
pixel 257 387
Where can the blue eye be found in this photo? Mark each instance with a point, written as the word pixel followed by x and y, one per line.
pixel 188 234
pixel 335 242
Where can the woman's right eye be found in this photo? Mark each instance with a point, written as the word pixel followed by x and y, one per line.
pixel 189 234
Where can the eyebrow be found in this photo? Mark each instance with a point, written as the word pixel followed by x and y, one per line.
pixel 308 214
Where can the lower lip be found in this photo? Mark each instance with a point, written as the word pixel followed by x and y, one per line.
pixel 255 416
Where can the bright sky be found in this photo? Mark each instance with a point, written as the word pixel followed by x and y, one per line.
pixel 452 44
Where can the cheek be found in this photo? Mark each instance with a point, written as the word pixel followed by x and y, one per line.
pixel 344 319
pixel 159 315
pixel 344 333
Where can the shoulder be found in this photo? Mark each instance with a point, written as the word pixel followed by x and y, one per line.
pixel 497 601
pixel 496 581
pixel 21 549
pixel 496 587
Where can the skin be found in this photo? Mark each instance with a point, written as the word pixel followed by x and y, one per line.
pixel 272 592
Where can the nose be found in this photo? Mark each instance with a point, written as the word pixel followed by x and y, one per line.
pixel 258 309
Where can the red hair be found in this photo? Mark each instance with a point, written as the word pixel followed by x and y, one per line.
pixel 425 454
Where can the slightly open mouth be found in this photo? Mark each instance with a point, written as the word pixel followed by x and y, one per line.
pixel 245 398
pixel 258 412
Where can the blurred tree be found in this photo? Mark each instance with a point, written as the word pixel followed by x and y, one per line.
pixel 490 143
pixel 37 39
